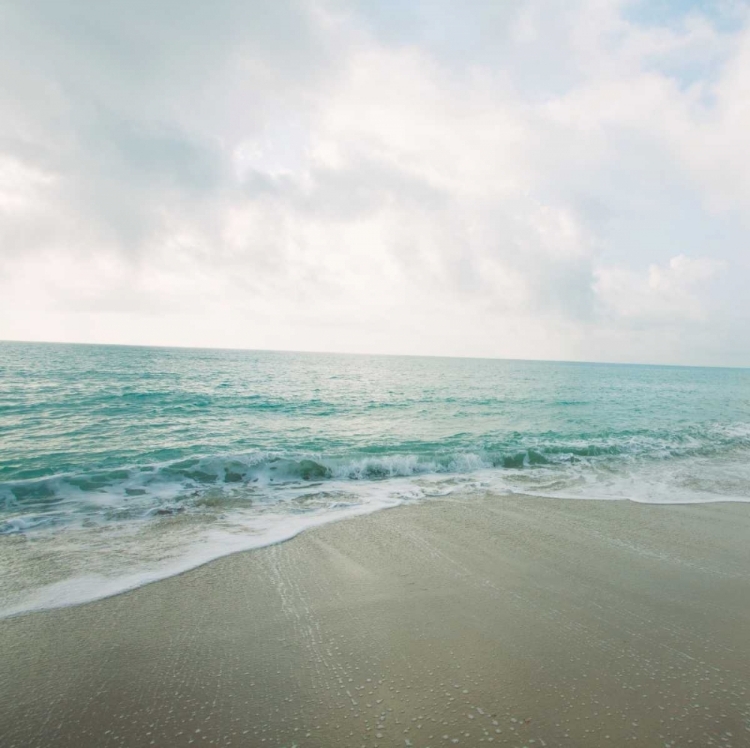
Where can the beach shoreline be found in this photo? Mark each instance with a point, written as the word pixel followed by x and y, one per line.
pixel 498 619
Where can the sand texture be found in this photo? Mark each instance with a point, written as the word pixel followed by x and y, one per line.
pixel 510 621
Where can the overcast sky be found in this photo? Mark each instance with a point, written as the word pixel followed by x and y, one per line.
pixel 565 179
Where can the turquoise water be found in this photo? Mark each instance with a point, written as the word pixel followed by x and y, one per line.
pixel 119 465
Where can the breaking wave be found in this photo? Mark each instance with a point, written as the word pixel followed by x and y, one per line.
pixel 130 492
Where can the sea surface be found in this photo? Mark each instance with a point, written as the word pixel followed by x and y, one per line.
pixel 123 465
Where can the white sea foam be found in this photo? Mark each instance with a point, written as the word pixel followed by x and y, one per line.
pixel 180 536
pixel 91 569
pixel 209 545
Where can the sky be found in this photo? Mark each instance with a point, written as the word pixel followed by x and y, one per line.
pixel 555 179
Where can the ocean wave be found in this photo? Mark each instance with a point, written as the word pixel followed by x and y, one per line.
pixel 121 465
pixel 146 490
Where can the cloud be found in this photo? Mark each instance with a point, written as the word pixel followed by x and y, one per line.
pixel 665 294
pixel 536 180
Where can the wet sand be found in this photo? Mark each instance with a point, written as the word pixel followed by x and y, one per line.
pixel 510 621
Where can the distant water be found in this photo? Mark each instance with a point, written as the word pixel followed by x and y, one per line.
pixel 121 465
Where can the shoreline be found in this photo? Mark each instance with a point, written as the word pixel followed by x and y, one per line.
pixel 574 623
pixel 185 565
pixel 47 595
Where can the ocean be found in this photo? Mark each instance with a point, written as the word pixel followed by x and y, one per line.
pixel 123 465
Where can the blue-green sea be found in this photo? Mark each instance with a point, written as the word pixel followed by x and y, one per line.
pixel 122 465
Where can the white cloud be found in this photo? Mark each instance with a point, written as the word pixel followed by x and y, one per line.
pixel 665 294
pixel 548 180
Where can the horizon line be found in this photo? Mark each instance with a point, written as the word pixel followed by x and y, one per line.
pixel 385 355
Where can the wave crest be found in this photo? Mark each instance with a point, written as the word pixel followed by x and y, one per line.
pixel 145 490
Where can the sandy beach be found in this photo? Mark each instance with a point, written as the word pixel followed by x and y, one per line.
pixel 507 620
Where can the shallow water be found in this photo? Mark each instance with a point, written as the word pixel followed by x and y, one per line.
pixel 120 465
